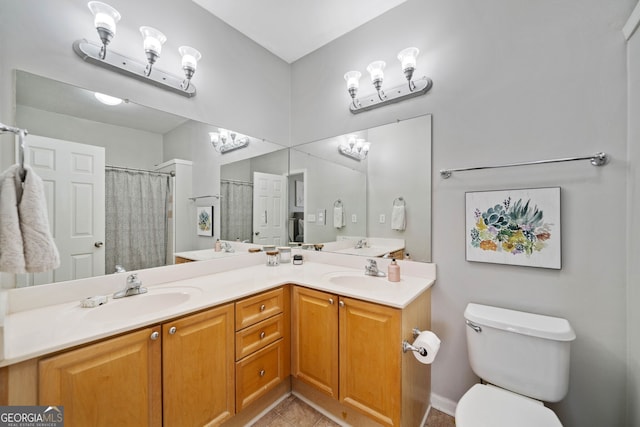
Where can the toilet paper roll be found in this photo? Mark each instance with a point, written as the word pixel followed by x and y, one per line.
pixel 430 342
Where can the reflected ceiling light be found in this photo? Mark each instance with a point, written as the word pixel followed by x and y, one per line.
pixel 105 19
pixel 408 60
pixel 356 148
pixel 107 99
pixel 226 140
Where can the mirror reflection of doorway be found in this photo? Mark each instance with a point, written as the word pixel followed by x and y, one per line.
pixel 296 207
pixel 269 209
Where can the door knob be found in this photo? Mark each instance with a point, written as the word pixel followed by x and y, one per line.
pixel 256 233
pixel 98 244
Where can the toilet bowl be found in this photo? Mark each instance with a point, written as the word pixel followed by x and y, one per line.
pixel 490 406
pixel 523 358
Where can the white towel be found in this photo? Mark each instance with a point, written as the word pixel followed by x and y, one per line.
pixel 40 251
pixel 11 247
pixel 26 245
pixel 338 217
pixel 398 219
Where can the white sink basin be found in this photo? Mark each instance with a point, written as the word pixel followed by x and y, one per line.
pixel 154 300
pixel 353 279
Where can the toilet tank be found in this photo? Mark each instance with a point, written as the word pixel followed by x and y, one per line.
pixel 523 352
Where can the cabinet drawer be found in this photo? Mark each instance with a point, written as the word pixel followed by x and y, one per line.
pixel 259 335
pixel 251 310
pixel 259 373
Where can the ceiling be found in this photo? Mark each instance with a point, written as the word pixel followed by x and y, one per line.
pixel 291 29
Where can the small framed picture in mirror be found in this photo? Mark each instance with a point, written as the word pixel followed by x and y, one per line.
pixel 205 220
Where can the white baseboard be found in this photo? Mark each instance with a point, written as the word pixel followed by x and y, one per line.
pixel 443 404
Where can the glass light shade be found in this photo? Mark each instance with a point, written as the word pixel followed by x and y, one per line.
pixel 408 57
pixel 107 99
pixel 152 39
pixel 104 15
pixel 215 137
pixel 190 57
pixel 365 148
pixel 376 69
pixel 353 79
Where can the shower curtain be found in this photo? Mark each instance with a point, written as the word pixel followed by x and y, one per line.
pixel 136 206
pixel 236 210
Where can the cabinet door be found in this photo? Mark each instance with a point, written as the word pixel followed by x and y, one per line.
pixel 315 339
pixel 370 359
pixel 198 368
pixel 116 382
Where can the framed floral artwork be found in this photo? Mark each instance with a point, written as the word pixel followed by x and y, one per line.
pixel 204 220
pixel 517 227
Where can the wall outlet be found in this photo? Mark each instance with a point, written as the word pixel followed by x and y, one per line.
pixel 311 217
pixel 321 216
pixel 383 219
pixel 354 218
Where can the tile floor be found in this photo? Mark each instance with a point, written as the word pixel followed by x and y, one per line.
pixel 293 412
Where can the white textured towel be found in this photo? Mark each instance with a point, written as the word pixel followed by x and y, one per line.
pixel 40 251
pixel 11 248
pixel 26 244
pixel 338 217
pixel 398 218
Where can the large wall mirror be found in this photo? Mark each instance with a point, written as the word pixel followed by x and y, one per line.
pixel 69 127
pixel 353 203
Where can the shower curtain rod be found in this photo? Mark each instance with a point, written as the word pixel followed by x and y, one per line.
pixel 598 159
pixel 172 173
pixel 236 181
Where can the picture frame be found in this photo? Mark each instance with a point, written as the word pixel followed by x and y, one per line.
pixel 299 194
pixel 516 227
pixel 204 220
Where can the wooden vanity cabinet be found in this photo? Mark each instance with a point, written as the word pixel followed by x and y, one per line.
pixel 180 373
pixel 114 382
pixel 262 351
pixel 351 351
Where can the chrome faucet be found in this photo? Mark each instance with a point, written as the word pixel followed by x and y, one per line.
pixel 226 247
pixel 362 243
pixel 371 269
pixel 133 287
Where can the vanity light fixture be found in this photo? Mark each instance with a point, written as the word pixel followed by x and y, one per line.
pixel 356 148
pixel 105 20
pixel 225 140
pixel 408 59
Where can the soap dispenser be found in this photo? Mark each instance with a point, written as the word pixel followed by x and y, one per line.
pixel 393 272
pixel 218 246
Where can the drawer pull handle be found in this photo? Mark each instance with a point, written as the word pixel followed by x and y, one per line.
pixel 172 330
pixel 262 335
pixel 155 336
pixel 331 301
pixel 263 307
pixel 261 373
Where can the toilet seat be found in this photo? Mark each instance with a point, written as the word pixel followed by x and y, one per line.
pixel 490 406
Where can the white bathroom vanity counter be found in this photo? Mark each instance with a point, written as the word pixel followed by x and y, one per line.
pixel 206 254
pixel 48 318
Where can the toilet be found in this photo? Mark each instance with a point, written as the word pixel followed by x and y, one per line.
pixel 523 360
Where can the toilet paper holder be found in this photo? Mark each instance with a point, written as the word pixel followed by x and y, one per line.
pixel 406 346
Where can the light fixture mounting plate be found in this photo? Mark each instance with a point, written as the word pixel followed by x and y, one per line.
pixel 90 52
pixel 395 94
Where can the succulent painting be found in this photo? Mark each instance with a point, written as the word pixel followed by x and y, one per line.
pixel 516 228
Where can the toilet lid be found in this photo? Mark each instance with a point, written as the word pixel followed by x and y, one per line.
pixel 489 406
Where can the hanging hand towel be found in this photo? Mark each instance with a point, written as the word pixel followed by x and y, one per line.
pixel 11 247
pixel 338 217
pixel 398 220
pixel 40 251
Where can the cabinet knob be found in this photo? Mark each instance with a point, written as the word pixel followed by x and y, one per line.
pixel 172 330
pixel 261 373
pixel 341 303
pixel 263 307
pixel 262 335
pixel 155 335
pixel 331 301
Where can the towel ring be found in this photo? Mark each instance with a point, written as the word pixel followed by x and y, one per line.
pixel 399 201
pixel 337 203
